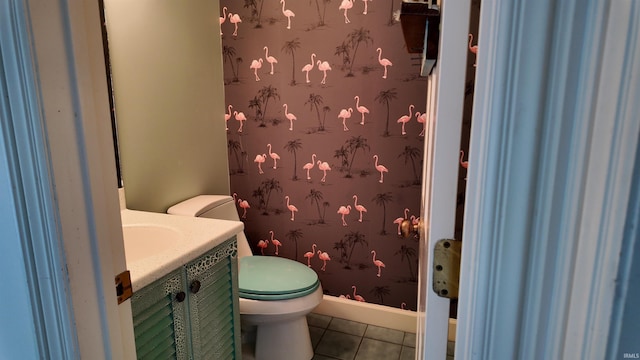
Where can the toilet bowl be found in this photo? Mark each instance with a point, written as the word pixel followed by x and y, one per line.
pixel 276 294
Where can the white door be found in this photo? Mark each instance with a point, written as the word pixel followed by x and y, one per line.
pixel 68 64
pixel 440 172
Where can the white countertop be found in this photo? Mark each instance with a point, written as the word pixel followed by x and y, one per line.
pixel 199 236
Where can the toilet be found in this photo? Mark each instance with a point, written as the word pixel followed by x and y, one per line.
pixel 276 293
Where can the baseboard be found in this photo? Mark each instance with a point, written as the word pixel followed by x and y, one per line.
pixel 374 314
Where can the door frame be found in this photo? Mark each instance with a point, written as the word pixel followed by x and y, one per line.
pixel 549 178
pixel 440 171
pixel 63 185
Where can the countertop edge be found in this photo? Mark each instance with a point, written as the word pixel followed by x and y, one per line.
pixel 200 236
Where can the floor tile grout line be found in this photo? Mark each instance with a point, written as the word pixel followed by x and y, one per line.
pixel 360 343
pixel 319 340
pixel 364 337
pixel 361 339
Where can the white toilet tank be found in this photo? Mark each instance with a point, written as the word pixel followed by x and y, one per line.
pixel 221 207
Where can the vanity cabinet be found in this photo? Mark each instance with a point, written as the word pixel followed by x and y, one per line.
pixel 193 312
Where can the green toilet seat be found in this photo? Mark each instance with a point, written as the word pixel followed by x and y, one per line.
pixel 273 278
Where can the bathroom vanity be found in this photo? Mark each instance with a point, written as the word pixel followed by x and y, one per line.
pixel 185 301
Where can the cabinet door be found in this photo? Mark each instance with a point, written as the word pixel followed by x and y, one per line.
pixel 159 319
pixel 213 304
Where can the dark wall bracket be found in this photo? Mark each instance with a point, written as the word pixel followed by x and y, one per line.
pixel 421 29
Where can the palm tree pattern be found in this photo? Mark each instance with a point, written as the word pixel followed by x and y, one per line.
pixel 343 157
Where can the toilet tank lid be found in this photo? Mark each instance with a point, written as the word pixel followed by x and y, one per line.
pixel 198 205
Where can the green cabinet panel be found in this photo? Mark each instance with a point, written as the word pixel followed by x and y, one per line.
pixel 215 328
pixel 205 324
pixel 159 319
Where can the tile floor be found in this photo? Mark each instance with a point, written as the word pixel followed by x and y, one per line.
pixel 339 339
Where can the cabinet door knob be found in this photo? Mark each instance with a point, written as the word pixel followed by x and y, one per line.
pixel 181 296
pixel 195 286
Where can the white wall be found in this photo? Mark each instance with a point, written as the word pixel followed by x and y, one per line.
pixel 166 62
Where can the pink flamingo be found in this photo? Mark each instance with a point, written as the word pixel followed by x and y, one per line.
pixel 275 242
pixel 288 13
pixel 235 19
pixel 473 49
pixel 309 166
pixel 356 296
pixel 324 166
pixel 377 263
pixel 399 220
pixel 239 116
pixel 310 254
pixel 323 66
pixel 415 221
pixel 422 119
pixel 270 59
pixel 255 65
pixel 309 67
pixel 403 306
pixel 366 2
pixel 274 156
pixel 361 109
pixel 262 244
pixel 406 118
pixel 464 164
pixel 345 114
pixel 344 210
pixel 381 168
pixel 223 18
pixel 289 116
pixel 260 159
pixel 360 208
pixel 383 62
pixel 324 257
pixel 346 5
pixel 227 117
pixel 345 296
pixel 244 204
pixel 235 197
pixel 291 208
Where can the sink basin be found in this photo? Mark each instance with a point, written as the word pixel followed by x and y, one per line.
pixel 142 241
pixel 156 244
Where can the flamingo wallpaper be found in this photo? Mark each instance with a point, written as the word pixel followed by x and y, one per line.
pixel 325 136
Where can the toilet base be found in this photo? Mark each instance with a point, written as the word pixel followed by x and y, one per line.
pixel 281 330
pixel 284 340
